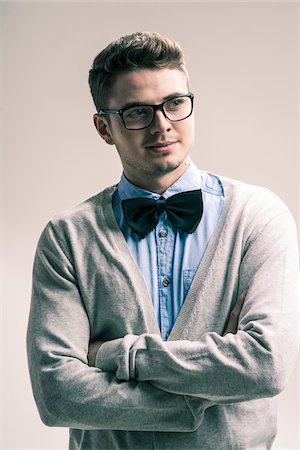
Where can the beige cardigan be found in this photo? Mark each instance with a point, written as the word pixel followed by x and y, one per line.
pixel 199 389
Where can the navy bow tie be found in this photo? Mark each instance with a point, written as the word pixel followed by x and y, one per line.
pixel 184 211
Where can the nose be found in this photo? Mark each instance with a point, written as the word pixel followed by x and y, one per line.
pixel 160 123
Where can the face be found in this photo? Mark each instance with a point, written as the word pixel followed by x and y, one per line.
pixel 157 154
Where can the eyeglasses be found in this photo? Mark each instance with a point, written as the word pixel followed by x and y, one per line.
pixel 141 116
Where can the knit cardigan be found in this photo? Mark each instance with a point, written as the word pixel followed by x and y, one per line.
pixel 200 389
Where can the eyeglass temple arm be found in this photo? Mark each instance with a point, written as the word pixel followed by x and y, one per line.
pixel 109 111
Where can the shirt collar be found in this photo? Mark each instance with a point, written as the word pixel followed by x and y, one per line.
pixel 189 180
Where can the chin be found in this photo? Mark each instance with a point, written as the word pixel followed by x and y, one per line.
pixel 172 163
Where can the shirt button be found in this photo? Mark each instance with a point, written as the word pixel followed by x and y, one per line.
pixel 165 282
pixel 163 233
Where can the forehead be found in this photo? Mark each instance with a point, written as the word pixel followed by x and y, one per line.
pixel 149 86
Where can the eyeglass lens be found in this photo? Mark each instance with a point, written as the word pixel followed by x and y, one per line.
pixel 175 109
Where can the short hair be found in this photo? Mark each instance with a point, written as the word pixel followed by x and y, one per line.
pixel 140 50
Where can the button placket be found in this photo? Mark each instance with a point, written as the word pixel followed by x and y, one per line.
pixel 165 243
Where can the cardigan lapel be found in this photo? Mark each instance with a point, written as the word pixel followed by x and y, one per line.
pixel 196 294
pixel 137 291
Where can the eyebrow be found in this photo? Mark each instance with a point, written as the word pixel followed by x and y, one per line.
pixel 137 103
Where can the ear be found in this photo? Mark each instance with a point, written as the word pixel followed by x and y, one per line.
pixel 103 129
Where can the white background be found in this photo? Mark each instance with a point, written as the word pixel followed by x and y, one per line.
pixel 242 58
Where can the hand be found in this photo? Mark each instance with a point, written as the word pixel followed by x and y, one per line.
pixel 232 326
pixel 92 352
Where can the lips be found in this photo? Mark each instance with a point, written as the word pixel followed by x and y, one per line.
pixel 161 145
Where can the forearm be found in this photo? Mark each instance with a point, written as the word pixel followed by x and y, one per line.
pixel 221 369
pixel 69 393
pixel 77 396
pixel 214 368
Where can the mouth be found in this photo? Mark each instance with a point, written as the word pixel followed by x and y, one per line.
pixel 162 146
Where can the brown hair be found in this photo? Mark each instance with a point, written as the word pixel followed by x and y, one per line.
pixel 141 50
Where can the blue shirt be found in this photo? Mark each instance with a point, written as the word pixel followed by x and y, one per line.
pixel 168 258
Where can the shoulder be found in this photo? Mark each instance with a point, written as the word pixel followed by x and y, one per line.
pixel 81 220
pixel 241 194
pixel 245 194
pixel 84 211
pixel 255 207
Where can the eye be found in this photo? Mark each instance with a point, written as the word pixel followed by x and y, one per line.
pixel 136 113
pixel 175 103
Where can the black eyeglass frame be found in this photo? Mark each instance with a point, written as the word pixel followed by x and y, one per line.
pixel 155 108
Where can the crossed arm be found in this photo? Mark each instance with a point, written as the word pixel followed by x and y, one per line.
pixel 162 380
pixel 232 327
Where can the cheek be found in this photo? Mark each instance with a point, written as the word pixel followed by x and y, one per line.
pixel 119 135
pixel 187 130
pixel 192 127
pixel 128 141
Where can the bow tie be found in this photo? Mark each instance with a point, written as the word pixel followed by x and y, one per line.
pixel 184 211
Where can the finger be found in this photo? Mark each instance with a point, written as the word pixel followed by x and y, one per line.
pixel 235 314
pixel 239 305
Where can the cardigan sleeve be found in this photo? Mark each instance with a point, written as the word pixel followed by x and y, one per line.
pixel 67 391
pixel 253 363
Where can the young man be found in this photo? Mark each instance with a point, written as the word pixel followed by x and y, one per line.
pixel 164 308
